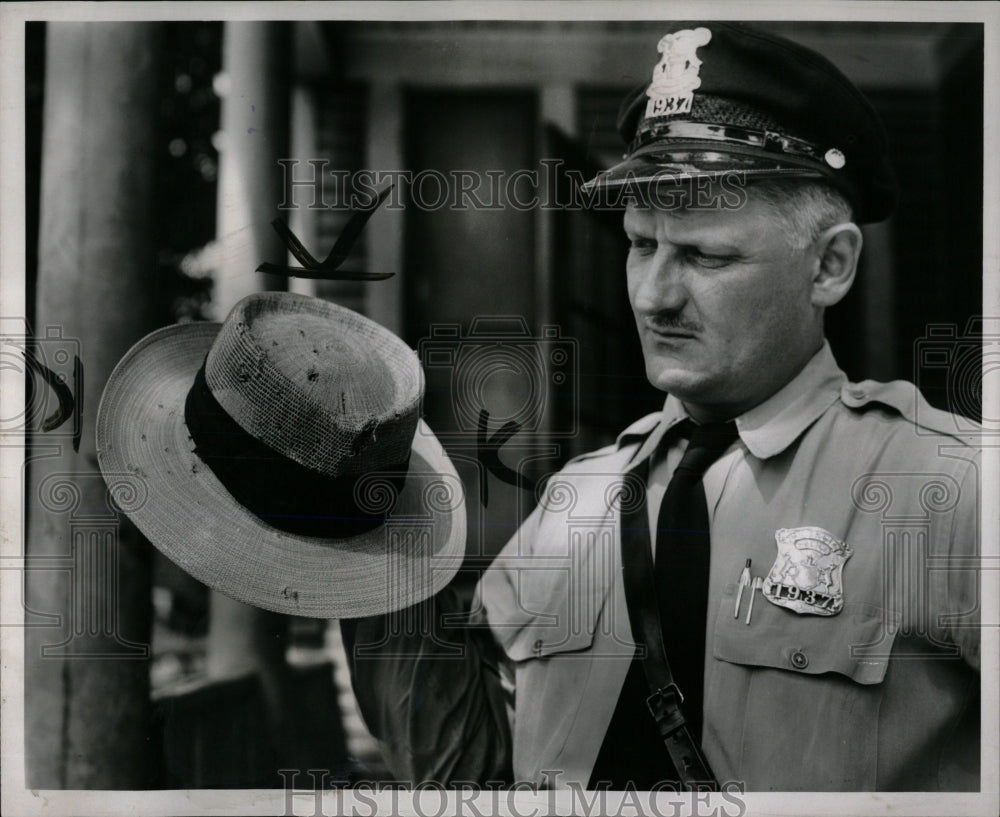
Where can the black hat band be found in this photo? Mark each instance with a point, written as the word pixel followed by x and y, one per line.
pixel 276 489
pixel 650 132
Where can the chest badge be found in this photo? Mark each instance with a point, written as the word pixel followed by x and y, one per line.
pixel 807 575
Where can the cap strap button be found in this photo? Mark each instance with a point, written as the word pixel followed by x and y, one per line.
pixel 835 158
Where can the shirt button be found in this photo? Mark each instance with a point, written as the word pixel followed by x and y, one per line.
pixel 537 646
pixel 858 394
pixel 799 660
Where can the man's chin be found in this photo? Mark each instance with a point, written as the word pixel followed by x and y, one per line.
pixel 678 381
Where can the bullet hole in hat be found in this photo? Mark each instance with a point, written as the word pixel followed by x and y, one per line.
pixel 194 468
pixel 245 373
pixel 365 437
pixel 311 374
pixel 142 437
pixel 288 593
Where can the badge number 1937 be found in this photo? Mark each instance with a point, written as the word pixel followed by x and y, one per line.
pixel 807 575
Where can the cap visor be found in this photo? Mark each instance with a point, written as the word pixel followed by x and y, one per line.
pixel 680 163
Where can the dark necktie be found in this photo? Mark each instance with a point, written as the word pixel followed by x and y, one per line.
pixel 682 561
pixel 633 751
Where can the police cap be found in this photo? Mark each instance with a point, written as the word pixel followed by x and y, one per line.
pixel 726 98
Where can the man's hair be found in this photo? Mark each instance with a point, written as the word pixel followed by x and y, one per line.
pixel 807 207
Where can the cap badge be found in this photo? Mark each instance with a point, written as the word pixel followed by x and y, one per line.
pixel 675 76
pixel 806 576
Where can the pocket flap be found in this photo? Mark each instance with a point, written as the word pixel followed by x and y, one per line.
pixel 545 611
pixel 855 643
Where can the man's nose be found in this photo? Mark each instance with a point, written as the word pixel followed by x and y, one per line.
pixel 662 285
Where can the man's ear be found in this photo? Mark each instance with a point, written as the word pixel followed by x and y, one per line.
pixel 837 251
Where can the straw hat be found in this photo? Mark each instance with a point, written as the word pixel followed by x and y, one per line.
pixel 283 460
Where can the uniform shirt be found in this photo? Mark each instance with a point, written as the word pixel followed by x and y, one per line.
pixel 881 695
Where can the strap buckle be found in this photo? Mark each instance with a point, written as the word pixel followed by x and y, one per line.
pixel 670 691
pixel 665 706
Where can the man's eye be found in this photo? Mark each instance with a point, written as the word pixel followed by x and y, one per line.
pixel 644 246
pixel 705 259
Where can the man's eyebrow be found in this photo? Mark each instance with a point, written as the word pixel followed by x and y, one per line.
pixel 697 236
pixel 632 219
pixel 709 236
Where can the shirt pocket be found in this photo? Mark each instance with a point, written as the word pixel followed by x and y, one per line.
pixel 556 614
pixel 855 643
pixel 793 699
pixel 552 647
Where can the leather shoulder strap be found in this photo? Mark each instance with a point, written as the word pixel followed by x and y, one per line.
pixel 665 700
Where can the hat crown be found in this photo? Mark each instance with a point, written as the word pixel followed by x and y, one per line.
pixel 730 98
pixel 318 383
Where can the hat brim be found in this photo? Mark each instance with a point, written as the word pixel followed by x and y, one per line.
pixel 148 460
pixel 681 162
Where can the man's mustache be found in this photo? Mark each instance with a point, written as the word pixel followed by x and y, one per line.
pixel 670 322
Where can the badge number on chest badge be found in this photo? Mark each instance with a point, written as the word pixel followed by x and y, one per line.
pixel 807 576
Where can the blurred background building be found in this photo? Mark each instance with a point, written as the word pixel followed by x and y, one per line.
pixel 154 168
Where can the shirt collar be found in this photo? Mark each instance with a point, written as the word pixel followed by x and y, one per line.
pixel 770 427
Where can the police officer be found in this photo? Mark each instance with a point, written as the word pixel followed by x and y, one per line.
pixel 794 553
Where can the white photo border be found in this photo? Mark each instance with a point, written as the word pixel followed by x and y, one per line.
pixel 19 801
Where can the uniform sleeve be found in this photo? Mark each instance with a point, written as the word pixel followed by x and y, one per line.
pixel 956 570
pixel 430 691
